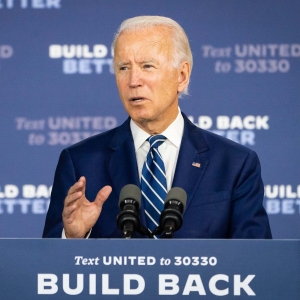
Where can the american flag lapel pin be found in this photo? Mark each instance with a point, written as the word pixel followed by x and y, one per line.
pixel 195 164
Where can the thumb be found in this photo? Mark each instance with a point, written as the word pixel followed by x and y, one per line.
pixel 102 195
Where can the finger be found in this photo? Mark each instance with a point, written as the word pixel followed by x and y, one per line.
pixel 79 185
pixel 82 180
pixel 75 188
pixel 71 199
pixel 103 195
pixel 67 212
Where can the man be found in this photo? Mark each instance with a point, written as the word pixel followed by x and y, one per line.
pixel 153 62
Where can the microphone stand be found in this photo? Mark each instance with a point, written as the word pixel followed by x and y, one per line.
pixel 165 233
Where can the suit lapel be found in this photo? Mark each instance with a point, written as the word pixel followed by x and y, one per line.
pixel 187 175
pixel 121 164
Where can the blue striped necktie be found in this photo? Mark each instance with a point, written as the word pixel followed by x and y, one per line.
pixel 153 182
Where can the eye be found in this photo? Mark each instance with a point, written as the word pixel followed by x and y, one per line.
pixel 147 66
pixel 123 68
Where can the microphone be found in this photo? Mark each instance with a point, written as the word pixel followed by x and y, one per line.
pixel 171 217
pixel 129 202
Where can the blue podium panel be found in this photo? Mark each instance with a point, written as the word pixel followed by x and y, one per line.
pixel 149 269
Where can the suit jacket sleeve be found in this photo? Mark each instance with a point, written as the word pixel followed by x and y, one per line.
pixel 248 216
pixel 64 178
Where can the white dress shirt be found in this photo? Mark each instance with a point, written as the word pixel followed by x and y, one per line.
pixel 169 150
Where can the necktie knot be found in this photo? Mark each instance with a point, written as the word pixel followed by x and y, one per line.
pixel 156 140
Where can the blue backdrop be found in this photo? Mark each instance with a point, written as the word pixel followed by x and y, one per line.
pixel 57 87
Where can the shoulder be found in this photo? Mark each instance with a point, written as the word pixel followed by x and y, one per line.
pixel 216 144
pixel 215 140
pixel 232 153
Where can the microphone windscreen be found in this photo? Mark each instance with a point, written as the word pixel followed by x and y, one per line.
pixel 179 194
pixel 130 191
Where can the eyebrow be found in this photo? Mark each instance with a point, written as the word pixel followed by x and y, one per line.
pixel 121 64
pixel 143 61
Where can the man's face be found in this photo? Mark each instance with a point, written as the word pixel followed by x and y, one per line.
pixel 148 84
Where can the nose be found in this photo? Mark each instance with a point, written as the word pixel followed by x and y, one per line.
pixel 135 78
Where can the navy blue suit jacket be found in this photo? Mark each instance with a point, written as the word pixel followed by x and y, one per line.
pixel 224 195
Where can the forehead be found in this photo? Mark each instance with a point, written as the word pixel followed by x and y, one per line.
pixel 145 41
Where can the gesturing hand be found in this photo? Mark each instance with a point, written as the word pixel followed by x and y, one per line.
pixel 79 214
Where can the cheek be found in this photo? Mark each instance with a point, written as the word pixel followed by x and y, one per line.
pixel 161 84
pixel 168 87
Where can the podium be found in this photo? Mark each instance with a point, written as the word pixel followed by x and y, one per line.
pixel 149 269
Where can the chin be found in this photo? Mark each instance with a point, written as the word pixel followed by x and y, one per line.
pixel 140 116
pixel 140 119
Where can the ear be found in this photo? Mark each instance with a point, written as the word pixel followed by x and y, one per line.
pixel 184 72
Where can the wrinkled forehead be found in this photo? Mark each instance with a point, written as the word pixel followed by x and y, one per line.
pixel 154 36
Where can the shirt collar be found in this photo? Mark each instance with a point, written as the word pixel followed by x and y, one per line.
pixel 173 133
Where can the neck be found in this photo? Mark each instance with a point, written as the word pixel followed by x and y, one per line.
pixel 157 126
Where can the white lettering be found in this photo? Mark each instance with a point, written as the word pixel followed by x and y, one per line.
pixel 92 284
pixel 10 204
pixel 106 290
pixel 100 51
pixel 288 207
pixel 11 191
pixel 66 284
pixel 282 191
pixel 238 285
pixel 168 284
pixel 289 192
pixel 190 287
pixel 53 3
pixel 78 51
pixel 70 66
pixel 24 206
pixel 55 51
pixel 24 3
pixel 213 285
pixel 273 206
pixel 236 123
pixel 247 137
pixel 223 122
pixel 205 122
pixel 78 258
pixel 38 207
pixel 86 52
pixel 151 260
pixel 295 50
pixel 261 122
pixel 29 191
pixel 38 4
pixel 86 66
pixel 90 123
pixel 210 51
pixel 248 122
pixel 42 191
pixel 128 278
pixel 47 284
pixel 271 192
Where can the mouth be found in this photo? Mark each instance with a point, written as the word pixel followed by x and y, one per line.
pixel 136 99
